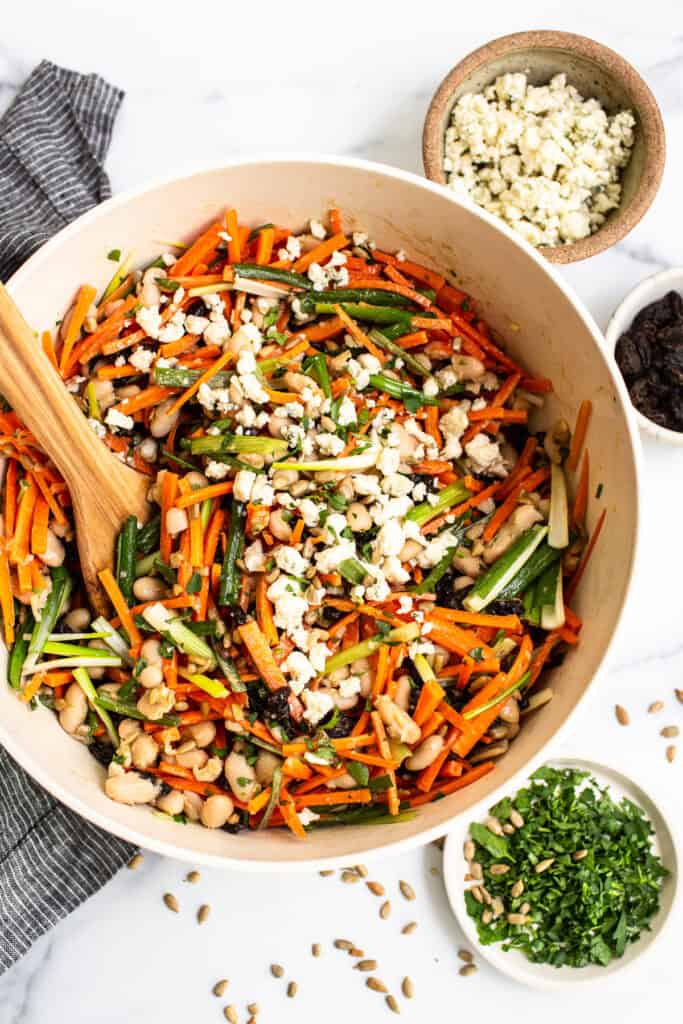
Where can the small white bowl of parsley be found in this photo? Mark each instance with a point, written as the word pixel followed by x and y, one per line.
pixel 567 879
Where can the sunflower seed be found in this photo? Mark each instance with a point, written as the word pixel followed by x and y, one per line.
pixel 579 854
pixel 355 951
pixel 315 949
pixel 392 1004
pixel 499 869
pixel 487 917
pixel 253 1009
pixel 669 732
pixel 376 888
pixel 656 706
pixel 192 876
pixel 407 988
pixel 349 877
pixel 276 970
pixel 203 913
pixel 385 910
pixel 252 1020
pixel 497 906
pixel 516 818
pixel 376 985
pixel 516 919
pixel 476 892
pixel 220 987
pixel 366 965
pixel 468 850
pixel 325 874
pixel 406 890
pixel 467 970
pixel 543 865
pixel 622 715
pixel 670 753
pixel 409 928
pixel 343 944
pixel 230 1014
pixel 465 955
pixel 517 889
pixel 476 870
pixel 508 829
pixel 525 908
pixel 361 870
pixel 292 989
pixel 135 862
pixel 493 825
pixel 679 695
pixel 171 902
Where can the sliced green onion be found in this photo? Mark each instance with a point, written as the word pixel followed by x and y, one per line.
pixel 148 535
pixel 118 277
pixel 83 679
pixel 352 570
pixel 343 296
pixel 424 669
pixel 109 661
pixel 317 367
pixel 275 787
pixel 163 621
pixel 260 273
pixel 390 346
pixel 224 443
pixel 550 598
pixel 558 519
pixel 469 715
pixel 371 314
pixel 448 496
pixel 179 377
pixel 125 558
pixel 535 567
pixel 404 392
pixel 229 583
pixel 352 463
pixel 76 651
pixel 401 634
pixel 504 569
pixel 52 609
pixel 93 405
pixel 213 687
pixel 229 670
pixel 19 650
pixel 113 639
pixel 439 570
pixel 126 710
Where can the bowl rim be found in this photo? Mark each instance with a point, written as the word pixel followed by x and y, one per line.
pixel 651 124
pixel 622 317
pixel 530 974
pixel 23 755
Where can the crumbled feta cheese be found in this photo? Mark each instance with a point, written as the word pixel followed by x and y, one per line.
pixel 390 539
pixel 244 482
pixel 118 420
pixel 452 426
pixel 97 428
pixel 216 333
pixel 349 687
pixel 290 561
pixel 430 387
pixel 347 413
pixel 405 604
pixel 253 388
pixel 307 816
pixel 388 461
pixel 329 558
pixel 485 455
pixel 246 362
pixel 262 492
pixel 216 470
pixel 141 359
pixel 543 158
pixel 254 557
pixel 299 669
pixel 394 571
pixel 330 444
pixel 149 319
pixel 317 230
pixel 366 483
pixel 310 512
pixel 318 705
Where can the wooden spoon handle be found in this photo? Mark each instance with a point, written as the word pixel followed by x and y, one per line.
pixel 37 394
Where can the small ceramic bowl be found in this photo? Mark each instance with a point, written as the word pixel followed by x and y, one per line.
pixel 514 963
pixel 596 71
pixel 649 290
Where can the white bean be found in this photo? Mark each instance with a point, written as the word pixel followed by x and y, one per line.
pixel 176 521
pixel 402 694
pixel 425 754
pixel 76 710
pixel 192 805
pixel 192 758
pixel 358 517
pixel 266 764
pixel 161 422
pixel 171 802
pixel 144 751
pixel 216 811
pixel 130 788
pixel 241 775
pixel 54 552
pixel 77 620
pixel 151 675
pixel 203 733
pixel 400 725
pixel 151 651
pixel 278 526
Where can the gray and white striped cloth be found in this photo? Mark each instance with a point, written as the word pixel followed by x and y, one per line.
pixel 53 140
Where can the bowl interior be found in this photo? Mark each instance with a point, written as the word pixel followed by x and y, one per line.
pixel 591 77
pixel 523 301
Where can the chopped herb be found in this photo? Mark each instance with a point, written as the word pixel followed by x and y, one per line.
pixel 194 584
pixel 114 255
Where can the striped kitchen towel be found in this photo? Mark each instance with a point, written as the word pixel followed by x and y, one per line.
pixel 53 141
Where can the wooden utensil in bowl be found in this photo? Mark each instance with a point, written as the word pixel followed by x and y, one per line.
pixel 103 489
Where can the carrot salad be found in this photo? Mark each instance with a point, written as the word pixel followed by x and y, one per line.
pixel 360 561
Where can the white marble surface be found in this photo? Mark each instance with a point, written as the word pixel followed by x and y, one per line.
pixel 213 80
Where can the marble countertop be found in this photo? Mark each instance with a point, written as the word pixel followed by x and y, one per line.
pixel 209 82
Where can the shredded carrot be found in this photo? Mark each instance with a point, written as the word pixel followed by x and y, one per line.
pixel 320 252
pixel 260 653
pixel 198 251
pixel 578 516
pixel 22 530
pixel 234 247
pixel 430 278
pixel 264 611
pixel 203 379
pixel 264 246
pixel 84 300
pixel 6 598
pixel 95 342
pixel 48 348
pixel 510 623
pixel 41 517
pixel 579 435
pixel 432 425
pixel 335 221
pixel 144 399
pixel 202 494
pixel 10 497
pixel 581 568
pixel 169 488
pixel 119 602
pixel 471 776
pixel 359 335
pixel 338 796
pixel 528 483
pixel 430 697
pixel 385 751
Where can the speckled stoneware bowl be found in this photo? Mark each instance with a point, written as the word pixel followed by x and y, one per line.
pixel 596 71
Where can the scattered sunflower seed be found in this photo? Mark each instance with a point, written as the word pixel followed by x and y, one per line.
pixel 508 829
pixel 476 892
pixel 516 918
pixel 376 985
pixel 135 861
pixel 622 715
pixel 171 902
pixel 393 1004
pixel 656 706
pixel 409 928
pixel 499 869
pixel 494 825
pixel 525 908
pixel 407 988
pixel 230 1014
pixel 516 818
pixel 670 753
pixel 376 888
pixel 325 874
pixel 407 890
pixel 679 695
pixel 355 951
pixel 476 870
pixel 292 989
pixel 343 944
pixel 192 876
pixel 203 913
pixel 487 917
pixel 349 877
pixel 253 1009
pixel 315 949
pixel 669 732
pixel 468 850
pixel 467 969
pixel 465 955
pixel 543 865
pixel 361 870
pixel 276 970
pixel 385 910
pixel 366 965
pixel 517 889
pixel 579 854
pixel 220 987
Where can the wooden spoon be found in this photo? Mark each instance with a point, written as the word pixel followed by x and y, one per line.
pixel 103 490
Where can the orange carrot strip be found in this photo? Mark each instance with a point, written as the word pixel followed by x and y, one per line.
pixel 430 697
pixel 335 221
pixel 424 275
pixel 423 323
pixel 581 568
pixel 169 488
pixel 84 300
pixel 22 529
pixel 202 247
pixel 398 289
pixel 106 332
pixel 206 376
pixel 432 425
pixel 114 372
pixel 196 543
pixel 234 248
pixel 6 598
pixel 41 516
pixel 473 775
pixel 297 532
pixel 144 399
pixel 579 435
pixel 358 335
pixel 260 653
pixel 523 464
pixel 528 483
pixel 296 769
pixel 380 670
pixel 510 623
pixel 202 494
pixel 485 343
pixel 119 602
pixel 413 340
pixel 264 611
pixel 371 759
pixel 264 246
pixel 281 397
pixel 259 802
pixel 434 722
pixel 498 413
pixel 452 716
pixel 338 796
pixel 48 348
pixel 578 516
pixel 385 750
pixel 10 497
pixel 321 331
pixel 320 252
pixel 450 298
pixel 291 819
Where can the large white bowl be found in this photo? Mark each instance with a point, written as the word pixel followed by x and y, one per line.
pixel 523 299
